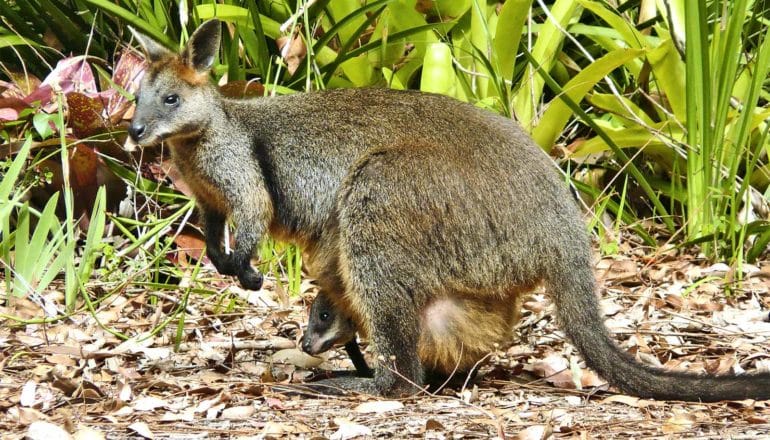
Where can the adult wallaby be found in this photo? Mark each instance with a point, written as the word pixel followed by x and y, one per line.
pixel 403 201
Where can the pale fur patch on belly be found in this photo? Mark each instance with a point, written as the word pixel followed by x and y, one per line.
pixel 439 317
pixel 458 331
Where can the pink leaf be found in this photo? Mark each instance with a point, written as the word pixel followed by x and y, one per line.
pixel 8 114
pixel 72 74
pixel 127 74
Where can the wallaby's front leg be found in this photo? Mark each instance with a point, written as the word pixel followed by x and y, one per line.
pixel 247 235
pixel 354 352
pixel 249 230
pixel 214 228
pixel 252 213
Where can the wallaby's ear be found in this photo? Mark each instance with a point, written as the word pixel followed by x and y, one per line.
pixel 202 48
pixel 153 50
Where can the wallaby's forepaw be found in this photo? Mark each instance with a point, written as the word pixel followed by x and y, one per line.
pixel 222 262
pixel 250 279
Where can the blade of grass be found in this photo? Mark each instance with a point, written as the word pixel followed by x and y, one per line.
pixel 135 22
pixel 699 139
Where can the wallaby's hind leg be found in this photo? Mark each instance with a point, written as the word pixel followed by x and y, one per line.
pixel 394 331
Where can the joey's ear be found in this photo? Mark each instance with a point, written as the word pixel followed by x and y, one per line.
pixel 154 50
pixel 202 48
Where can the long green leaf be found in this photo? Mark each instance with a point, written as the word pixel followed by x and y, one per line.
pixel 438 75
pixel 698 122
pixel 94 236
pixel 620 106
pixel 16 40
pixel 510 26
pixel 46 224
pixel 557 114
pixel 14 171
pixel 135 21
pixel 347 20
pixel 549 39
pixel 670 76
pixel 239 15
pixel 622 157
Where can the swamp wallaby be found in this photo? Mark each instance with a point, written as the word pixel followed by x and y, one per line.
pixel 403 202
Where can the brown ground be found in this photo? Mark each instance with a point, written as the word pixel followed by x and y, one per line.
pixel 74 376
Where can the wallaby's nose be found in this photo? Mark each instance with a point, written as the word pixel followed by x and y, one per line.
pixel 305 344
pixel 136 131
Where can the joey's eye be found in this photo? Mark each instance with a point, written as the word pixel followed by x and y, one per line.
pixel 171 100
pixel 324 316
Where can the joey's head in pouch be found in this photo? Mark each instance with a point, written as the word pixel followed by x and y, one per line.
pixel 175 97
pixel 326 327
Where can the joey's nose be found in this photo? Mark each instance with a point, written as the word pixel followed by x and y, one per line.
pixel 136 131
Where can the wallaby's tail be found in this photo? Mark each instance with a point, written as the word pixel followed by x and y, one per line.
pixel 573 288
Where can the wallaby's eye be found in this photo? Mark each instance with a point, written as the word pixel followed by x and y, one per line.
pixel 324 316
pixel 171 100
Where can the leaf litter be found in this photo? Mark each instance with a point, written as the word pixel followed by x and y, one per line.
pixel 73 379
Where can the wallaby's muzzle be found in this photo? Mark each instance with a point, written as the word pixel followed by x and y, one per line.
pixel 137 131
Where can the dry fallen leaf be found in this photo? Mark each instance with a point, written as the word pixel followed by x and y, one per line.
pixel 378 406
pixel 284 429
pixel 27 397
pixel 142 429
pixel 185 416
pixel 42 430
pixel 212 412
pixel 626 400
pixel 293 51
pixel 348 430
pixel 535 432
pixel 679 423
pixel 434 425
pixel 26 416
pixel 149 404
pixel 238 412
pixel 296 357
pixel 124 391
pixel 87 433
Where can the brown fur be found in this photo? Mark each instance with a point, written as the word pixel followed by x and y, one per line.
pixel 401 199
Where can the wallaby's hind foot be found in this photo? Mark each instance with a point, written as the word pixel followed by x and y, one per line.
pixel 338 386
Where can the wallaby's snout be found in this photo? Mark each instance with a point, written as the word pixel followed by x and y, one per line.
pixel 137 130
pixel 306 344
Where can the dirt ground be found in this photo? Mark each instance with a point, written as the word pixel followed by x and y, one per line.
pixel 75 379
